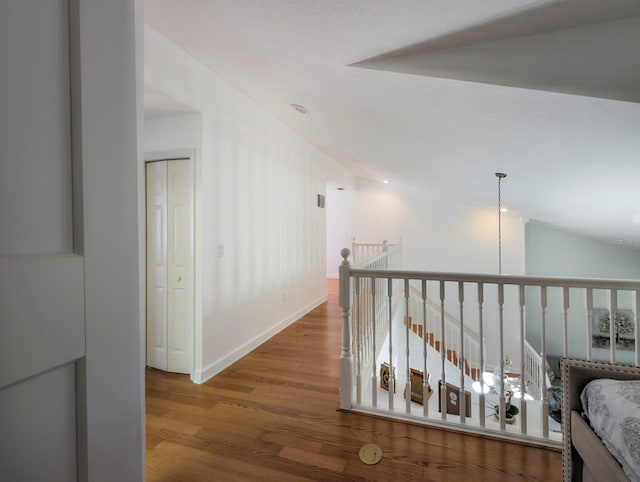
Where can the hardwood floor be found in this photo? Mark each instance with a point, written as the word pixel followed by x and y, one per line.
pixel 272 417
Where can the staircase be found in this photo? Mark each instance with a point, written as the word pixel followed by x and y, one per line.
pixel 452 355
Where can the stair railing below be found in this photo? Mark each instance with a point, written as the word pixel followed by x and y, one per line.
pixel 362 252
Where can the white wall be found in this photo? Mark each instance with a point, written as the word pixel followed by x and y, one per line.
pixel 181 131
pixel 259 185
pixel 439 232
pixel 551 251
pixel 340 222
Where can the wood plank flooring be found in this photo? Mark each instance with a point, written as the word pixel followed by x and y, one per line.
pixel 272 417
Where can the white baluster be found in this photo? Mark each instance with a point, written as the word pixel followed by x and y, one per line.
pixel 501 349
pixel 589 302
pixel 425 378
pixel 461 357
pixel 407 388
pixel 482 366
pixel 392 382
pixel 354 251
pixel 636 309
pixel 543 365
pixel 346 386
pixel 443 351
pixel 523 372
pixel 357 323
pixel 374 375
pixel 613 304
pixel 565 321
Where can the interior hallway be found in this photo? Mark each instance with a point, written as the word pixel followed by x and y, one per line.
pixel 272 417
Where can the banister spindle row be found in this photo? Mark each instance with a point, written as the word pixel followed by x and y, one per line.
pixel 375 300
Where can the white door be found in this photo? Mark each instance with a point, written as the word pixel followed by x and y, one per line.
pixel 157 264
pixel 170 296
pixel 42 330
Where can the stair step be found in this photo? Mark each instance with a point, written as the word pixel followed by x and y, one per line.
pixel 452 356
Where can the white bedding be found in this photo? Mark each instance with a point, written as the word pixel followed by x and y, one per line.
pixel 613 410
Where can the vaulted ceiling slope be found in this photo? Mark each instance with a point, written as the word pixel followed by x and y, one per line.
pixel 574 47
pixel 438 95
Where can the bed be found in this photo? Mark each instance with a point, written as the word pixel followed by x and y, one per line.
pixel 585 457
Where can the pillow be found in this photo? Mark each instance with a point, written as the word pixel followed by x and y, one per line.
pixel 613 410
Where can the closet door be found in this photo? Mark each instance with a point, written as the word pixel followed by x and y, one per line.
pixel 170 297
pixel 157 233
pixel 180 265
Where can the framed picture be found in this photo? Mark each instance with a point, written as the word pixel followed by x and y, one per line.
pixel 384 377
pixel 417 382
pixel 453 399
pixel 624 328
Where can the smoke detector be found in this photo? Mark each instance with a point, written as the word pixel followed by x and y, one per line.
pixel 300 108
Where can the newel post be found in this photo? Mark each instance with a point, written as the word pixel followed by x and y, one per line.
pixel 346 369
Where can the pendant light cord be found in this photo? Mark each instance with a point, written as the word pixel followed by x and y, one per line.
pixel 500 175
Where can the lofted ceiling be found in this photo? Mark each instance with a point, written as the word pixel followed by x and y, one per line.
pixel 438 95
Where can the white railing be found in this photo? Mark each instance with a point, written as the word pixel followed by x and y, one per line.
pixel 534 372
pixel 370 305
pixel 497 306
pixel 361 252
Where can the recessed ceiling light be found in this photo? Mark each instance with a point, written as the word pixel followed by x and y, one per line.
pixel 385 181
pixel 503 210
pixel 300 108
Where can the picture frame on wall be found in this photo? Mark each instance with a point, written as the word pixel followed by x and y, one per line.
pixel 453 399
pixel 417 386
pixel 624 329
pixel 384 377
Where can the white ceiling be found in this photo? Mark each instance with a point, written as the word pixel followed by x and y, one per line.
pixel 438 95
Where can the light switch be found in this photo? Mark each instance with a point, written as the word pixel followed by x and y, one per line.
pixel 220 250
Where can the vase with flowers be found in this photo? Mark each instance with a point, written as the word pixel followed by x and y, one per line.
pixel 510 410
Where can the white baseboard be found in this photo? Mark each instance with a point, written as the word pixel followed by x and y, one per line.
pixel 201 376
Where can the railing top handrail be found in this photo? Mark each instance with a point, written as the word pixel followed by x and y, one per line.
pixel 594 283
pixel 385 242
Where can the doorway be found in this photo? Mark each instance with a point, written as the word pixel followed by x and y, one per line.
pixel 170 264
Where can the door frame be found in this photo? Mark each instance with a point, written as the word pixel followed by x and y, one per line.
pixel 169 155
